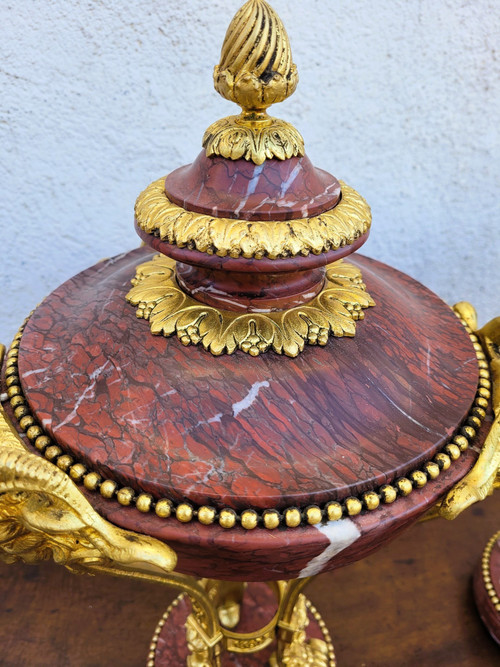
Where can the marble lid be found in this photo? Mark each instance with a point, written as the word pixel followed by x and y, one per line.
pixel 239 432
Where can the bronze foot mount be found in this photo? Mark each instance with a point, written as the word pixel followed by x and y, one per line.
pixel 291 633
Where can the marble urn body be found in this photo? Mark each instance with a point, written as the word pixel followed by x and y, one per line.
pixel 245 397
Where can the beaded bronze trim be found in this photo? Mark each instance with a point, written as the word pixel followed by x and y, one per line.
pixel 249 519
pixel 485 566
pixel 324 629
pixel 154 641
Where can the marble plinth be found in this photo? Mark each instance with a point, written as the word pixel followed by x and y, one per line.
pixel 259 605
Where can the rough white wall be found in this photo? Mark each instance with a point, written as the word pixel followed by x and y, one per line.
pixel 399 98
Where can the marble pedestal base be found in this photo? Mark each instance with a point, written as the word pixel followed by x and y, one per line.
pixel 169 646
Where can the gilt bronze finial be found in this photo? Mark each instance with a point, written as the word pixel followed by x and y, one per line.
pixel 255 70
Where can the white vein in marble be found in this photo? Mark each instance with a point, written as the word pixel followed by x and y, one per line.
pixel 341 534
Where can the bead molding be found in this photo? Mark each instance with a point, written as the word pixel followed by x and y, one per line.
pixel 485 569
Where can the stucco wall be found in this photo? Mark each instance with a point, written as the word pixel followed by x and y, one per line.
pixel 398 98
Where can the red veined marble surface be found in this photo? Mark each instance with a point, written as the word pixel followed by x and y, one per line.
pixel 274 190
pixel 250 292
pixel 237 431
